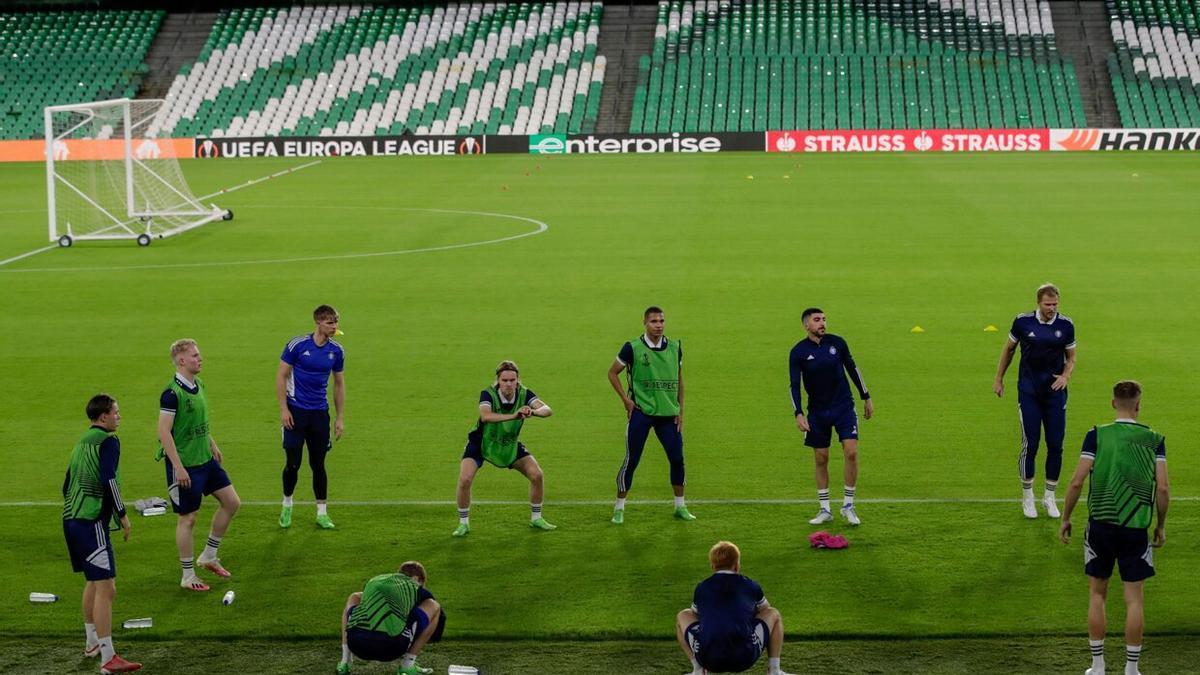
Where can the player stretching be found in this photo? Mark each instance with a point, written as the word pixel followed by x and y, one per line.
pixel 503 409
pixel 194 464
pixel 1128 465
pixel 394 617
pixel 300 385
pixel 817 362
pixel 1047 341
pixel 654 400
pixel 92 499
pixel 730 622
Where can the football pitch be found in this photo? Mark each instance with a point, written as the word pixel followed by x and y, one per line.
pixel 443 267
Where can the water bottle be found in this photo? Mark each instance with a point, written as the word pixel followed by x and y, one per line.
pixel 155 511
pixel 463 670
pixel 139 623
pixel 228 599
pixel 43 597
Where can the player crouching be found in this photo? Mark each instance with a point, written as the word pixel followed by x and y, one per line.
pixel 394 617
pixel 730 622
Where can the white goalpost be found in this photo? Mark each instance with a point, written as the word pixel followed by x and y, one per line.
pixel 108 175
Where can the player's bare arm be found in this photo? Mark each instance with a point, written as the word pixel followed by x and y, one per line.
pixel 166 421
pixel 1060 380
pixel 1006 357
pixel 281 378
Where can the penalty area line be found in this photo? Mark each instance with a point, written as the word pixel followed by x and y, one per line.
pixel 608 502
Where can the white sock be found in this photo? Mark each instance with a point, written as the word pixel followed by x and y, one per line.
pixel 90 630
pixel 1132 653
pixel 287 501
pixel 1051 487
pixel 408 661
pixel 346 654
pixel 189 568
pixel 620 504
pixel 210 548
pixel 106 649
pixel 1097 648
pixel 321 510
pixel 848 495
pixel 823 499
pixel 679 502
pixel 773 665
pixel 1027 493
pixel 535 511
pixel 464 516
pixel 696 666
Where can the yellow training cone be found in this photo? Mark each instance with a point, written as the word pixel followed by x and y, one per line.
pixel 749 177
pixel 990 328
pixel 917 329
pixel 339 332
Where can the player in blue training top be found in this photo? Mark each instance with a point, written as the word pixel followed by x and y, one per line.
pixel 1047 341
pixel 817 362
pixel 730 622
pixel 300 386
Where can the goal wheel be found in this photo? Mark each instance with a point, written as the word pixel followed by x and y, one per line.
pixel 65 241
pixel 228 215
pixel 143 240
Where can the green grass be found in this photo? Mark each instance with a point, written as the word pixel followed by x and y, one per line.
pixel 951 243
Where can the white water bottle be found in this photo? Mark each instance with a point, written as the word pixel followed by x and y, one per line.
pixel 139 623
pixel 228 599
pixel 463 670
pixel 43 597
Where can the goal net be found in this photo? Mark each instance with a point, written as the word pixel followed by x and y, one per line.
pixel 108 175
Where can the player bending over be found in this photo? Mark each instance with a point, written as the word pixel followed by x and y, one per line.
pixel 503 409
pixel 730 622
pixel 394 617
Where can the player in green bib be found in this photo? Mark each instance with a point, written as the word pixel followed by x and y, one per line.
pixel 91 502
pixel 503 409
pixel 653 399
pixel 194 464
pixel 393 617
pixel 1127 462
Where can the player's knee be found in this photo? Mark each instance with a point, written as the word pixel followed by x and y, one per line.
pixel 233 502
pixel 685 616
pixel 821 458
pixel 188 519
pixel 851 454
pixel 432 609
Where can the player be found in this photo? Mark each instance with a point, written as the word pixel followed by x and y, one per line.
pixel 503 409
pixel 730 622
pixel 817 362
pixel 1047 341
pixel 394 617
pixel 91 500
pixel 653 400
pixel 300 385
pixel 1128 466
pixel 194 464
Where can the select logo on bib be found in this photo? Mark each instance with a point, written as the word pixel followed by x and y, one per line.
pixel 547 144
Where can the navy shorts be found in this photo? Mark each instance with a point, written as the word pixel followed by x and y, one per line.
pixel 308 427
pixel 1105 544
pixel 821 424
pixel 207 478
pixel 474 450
pixel 373 645
pixel 90 548
pixel 729 657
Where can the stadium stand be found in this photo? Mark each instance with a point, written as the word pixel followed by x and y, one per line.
pixel 1155 68
pixel 854 64
pixel 59 57
pixel 350 70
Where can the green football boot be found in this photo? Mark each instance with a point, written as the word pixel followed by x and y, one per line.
pixel 683 514
pixel 324 522
pixel 541 524
pixel 462 530
pixel 414 669
pixel 285 518
pixel 618 516
pixel 343 669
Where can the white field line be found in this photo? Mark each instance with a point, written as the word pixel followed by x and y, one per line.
pixel 608 502
pixel 541 227
pixel 227 190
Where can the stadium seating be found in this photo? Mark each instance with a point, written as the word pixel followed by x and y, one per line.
pixel 352 70
pixel 854 64
pixel 61 57
pixel 1155 67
